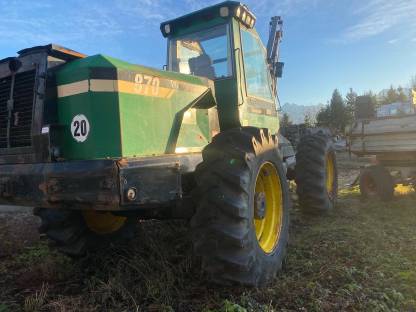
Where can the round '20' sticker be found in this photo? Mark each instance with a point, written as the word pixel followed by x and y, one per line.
pixel 80 128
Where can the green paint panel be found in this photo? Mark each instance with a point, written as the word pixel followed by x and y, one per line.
pixel 127 122
pixel 101 110
pixel 147 123
pixel 262 121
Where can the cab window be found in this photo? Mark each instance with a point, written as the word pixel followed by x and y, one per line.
pixel 255 66
pixel 205 53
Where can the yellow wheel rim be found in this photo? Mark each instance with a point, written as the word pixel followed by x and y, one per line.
pixel 103 222
pixel 330 174
pixel 268 207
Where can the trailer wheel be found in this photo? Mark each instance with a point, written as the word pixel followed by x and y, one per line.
pixel 316 174
pixel 241 225
pixel 77 232
pixel 376 181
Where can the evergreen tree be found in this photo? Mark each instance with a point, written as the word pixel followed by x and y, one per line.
pixel 323 118
pixel 390 97
pixel 285 120
pixel 308 121
pixel 401 95
pixel 374 97
pixel 334 115
pixel 350 105
pixel 338 112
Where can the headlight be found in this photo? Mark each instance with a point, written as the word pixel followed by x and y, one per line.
pixel 167 29
pixel 224 11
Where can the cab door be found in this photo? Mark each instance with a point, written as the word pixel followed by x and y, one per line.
pixel 260 102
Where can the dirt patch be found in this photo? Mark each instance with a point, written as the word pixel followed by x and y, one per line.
pixel 18 229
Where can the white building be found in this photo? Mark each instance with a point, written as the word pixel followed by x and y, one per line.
pixel 395 109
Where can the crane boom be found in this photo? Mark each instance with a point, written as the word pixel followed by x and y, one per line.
pixel 273 44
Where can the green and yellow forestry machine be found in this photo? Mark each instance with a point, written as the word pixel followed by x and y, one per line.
pixel 96 143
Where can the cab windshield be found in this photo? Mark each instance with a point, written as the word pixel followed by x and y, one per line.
pixel 205 53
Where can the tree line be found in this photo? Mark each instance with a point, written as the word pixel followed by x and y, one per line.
pixel 339 112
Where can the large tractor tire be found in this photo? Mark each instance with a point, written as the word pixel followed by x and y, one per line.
pixel 376 181
pixel 77 232
pixel 316 174
pixel 241 225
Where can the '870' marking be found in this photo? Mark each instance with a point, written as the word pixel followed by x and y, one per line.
pixel 144 84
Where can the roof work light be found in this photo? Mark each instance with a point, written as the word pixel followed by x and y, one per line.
pixel 243 14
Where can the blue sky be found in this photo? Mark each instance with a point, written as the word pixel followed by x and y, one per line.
pixel 327 43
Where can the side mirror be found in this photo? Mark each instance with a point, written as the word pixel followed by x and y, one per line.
pixel 278 69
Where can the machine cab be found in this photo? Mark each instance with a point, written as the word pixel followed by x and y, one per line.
pixel 221 44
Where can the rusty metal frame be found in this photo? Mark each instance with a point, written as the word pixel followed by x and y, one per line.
pixel 98 184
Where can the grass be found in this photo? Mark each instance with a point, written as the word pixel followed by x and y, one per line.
pixel 361 257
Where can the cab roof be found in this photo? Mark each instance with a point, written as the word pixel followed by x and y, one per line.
pixel 207 13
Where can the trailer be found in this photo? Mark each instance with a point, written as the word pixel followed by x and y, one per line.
pixel 391 140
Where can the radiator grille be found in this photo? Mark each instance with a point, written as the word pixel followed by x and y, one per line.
pixel 21 119
pixel 5 85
